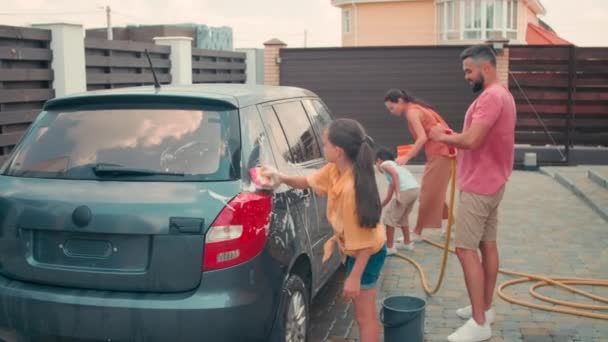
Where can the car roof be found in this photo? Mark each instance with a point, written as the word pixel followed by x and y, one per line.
pixel 234 95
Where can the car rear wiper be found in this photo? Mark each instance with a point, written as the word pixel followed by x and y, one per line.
pixel 116 170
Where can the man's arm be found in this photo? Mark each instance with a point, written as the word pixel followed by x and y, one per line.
pixel 468 140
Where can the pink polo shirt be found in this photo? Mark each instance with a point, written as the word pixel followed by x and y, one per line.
pixel 485 170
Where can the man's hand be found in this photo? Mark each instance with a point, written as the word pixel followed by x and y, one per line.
pixel 436 132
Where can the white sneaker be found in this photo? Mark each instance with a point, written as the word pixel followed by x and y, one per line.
pixel 416 237
pixel 467 312
pixel 391 251
pixel 407 247
pixel 471 332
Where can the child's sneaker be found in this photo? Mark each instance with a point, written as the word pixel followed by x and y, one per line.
pixel 416 237
pixel 444 231
pixel 407 247
pixel 391 251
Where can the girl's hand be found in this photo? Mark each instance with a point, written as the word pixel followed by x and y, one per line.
pixel 271 176
pixel 398 195
pixel 352 287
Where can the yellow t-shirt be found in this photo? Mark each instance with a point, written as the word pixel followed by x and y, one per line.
pixel 342 213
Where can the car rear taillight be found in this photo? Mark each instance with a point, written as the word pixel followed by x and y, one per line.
pixel 239 232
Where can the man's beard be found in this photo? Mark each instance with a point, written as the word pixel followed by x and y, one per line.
pixel 478 85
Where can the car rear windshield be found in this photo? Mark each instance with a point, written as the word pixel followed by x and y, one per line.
pixel 135 143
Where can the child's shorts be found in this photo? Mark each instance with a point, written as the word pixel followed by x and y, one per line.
pixel 399 208
pixel 371 273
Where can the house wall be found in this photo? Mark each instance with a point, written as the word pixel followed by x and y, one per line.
pixel 409 23
pixel 392 23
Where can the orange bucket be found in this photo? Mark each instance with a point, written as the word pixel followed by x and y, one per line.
pixel 403 150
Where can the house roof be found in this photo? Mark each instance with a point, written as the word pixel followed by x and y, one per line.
pixel 536 35
pixel 537 7
pixel 275 41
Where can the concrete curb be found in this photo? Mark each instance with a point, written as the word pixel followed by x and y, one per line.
pixel 545 172
pixel 598 179
pixel 569 184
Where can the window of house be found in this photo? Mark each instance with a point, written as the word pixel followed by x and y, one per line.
pixel 477 19
pixel 346 21
pixel 447 18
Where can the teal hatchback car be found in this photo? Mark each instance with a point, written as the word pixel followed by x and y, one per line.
pixel 130 215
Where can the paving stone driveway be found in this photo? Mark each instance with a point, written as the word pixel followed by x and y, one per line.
pixel 543 229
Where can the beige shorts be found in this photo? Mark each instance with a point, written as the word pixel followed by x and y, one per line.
pixel 476 219
pixel 398 209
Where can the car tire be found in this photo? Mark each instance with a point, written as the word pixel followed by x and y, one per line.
pixel 293 316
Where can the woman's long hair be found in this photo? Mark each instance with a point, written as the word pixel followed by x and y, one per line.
pixel 394 95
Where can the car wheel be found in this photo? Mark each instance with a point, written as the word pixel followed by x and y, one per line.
pixel 292 319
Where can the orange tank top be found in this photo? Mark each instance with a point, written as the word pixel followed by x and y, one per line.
pixel 430 118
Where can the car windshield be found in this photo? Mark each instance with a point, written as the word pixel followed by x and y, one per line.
pixel 121 144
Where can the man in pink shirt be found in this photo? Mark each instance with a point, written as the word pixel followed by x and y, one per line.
pixel 485 162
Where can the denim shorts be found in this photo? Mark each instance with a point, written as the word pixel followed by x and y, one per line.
pixel 372 270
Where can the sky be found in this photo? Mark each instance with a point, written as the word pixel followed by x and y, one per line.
pixel 583 22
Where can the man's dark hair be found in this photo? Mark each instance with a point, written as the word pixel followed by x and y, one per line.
pixel 481 52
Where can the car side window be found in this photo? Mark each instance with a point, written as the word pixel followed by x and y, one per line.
pixel 255 147
pixel 300 134
pixel 319 115
pixel 277 137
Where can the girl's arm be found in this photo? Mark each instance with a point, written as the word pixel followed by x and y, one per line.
pixel 352 286
pixel 414 117
pixel 395 175
pixel 273 176
pixel 298 182
pixel 388 197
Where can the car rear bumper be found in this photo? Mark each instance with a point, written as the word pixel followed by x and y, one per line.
pixel 240 307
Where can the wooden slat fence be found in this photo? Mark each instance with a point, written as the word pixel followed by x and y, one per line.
pixel 210 66
pixel 122 63
pixel 563 89
pixel 26 81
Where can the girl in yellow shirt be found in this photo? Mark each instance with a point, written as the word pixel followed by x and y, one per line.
pixel 353 210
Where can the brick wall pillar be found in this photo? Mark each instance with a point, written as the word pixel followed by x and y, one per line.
pixel 272 71
pixel 502 65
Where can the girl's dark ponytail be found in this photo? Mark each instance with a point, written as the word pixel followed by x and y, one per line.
pixel 350 136
pixel 369 207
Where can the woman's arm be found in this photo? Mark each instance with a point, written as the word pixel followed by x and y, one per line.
pixel 414 117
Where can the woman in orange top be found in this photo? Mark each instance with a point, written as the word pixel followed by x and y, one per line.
pixel 353 210
pixel 421 117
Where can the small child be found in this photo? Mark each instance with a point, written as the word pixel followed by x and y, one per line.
pixel 401 196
